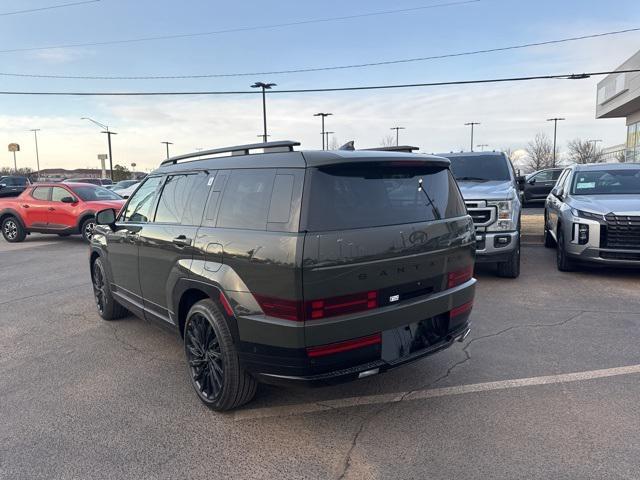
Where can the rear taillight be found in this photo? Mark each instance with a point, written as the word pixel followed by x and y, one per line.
pixel 331 307
pixel 279 308
pixel 345 346
pixel 458 277
pixel 461 310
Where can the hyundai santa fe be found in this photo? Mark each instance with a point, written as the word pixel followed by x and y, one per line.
pixel 283 266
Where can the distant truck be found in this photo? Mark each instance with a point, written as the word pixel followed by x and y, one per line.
pixel 13 185
pixel 490 189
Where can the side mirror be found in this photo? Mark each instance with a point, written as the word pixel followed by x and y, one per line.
pixel 106 217
pixel 532 181
pixel 68 200
pixel 3 185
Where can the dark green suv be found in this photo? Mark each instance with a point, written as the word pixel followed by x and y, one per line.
pixel 286 266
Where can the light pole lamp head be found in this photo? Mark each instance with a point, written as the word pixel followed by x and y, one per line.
pixel 264 85
pixel 320 114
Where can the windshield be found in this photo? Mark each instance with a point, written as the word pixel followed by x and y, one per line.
pixel 480 168
pixel 376 194
pixel 607 182
pixel 92 193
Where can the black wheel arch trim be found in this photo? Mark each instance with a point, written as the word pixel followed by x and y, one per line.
pixel 83 217
pixel 13 213
pixel 211 291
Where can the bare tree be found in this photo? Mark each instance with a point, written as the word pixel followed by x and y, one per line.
pixel 584 151
pixel 388 141
pixel 539 153
pixel 621 156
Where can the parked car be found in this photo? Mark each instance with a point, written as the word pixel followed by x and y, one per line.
pixel 12 186
pixel 58 208
pixel 537 185
pixel 94 181
pixel 123 185
pixel 127 192
pixel 285 266
pixel 489 186
pixel 593 215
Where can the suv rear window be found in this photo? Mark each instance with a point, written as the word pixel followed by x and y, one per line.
pixel 480 168
pixel 343 197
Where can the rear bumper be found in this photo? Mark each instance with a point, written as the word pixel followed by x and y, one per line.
pixel 363 370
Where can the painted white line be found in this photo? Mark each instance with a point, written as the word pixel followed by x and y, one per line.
pixel 303 408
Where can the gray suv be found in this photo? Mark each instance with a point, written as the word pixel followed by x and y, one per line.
pixel 490 189
pixel 593 214
pixel 285 266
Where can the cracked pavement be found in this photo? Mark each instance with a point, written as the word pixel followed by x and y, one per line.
pixel 84 398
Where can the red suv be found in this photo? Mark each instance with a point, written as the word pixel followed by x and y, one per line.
pixel 60 208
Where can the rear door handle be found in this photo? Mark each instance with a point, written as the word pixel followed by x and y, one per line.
pixel 25 206
pixel 51 209
pixel 182 241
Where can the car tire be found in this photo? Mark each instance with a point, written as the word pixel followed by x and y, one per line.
pixel 549 242
pixel 511 268
pixel 108 307
pixel 564 263
pixel 214 369
pixel 86 229
pixel 12 230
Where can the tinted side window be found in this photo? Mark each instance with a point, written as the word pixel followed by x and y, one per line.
pixel 543 176
pixel 173 199
pixel 58 193
pixel 246 198
pixel 200 185
pixel 140 204
pixel 555 175
pixel 41 193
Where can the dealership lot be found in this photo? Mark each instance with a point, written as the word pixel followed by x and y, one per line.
pixel 84 398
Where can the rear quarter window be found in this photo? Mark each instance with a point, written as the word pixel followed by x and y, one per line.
pixel 343 197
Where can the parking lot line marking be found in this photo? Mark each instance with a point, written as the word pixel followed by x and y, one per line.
pixel 326 405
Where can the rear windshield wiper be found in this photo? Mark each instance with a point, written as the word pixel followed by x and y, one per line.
pixel 472 179
pixel 436 213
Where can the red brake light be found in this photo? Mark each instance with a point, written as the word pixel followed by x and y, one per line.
pixel 331 307
pixel 461 310
pixel 458 277
pixel 347 345
pixel 280 308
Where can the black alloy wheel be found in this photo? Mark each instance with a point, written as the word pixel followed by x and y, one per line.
pixel 204 357
pixel 107 306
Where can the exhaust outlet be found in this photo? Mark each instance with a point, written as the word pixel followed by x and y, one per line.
pixel 464 335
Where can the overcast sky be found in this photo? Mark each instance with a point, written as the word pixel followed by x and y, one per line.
pixel 434 117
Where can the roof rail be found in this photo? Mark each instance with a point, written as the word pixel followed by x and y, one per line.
pixel 236 150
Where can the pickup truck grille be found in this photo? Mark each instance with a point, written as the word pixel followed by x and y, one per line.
pixel 622 231
pixel 480 213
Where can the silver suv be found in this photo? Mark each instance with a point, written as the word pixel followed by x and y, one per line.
pixel 593 214
pixel 489 186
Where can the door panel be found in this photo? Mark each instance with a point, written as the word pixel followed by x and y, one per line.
pixel 35 207
pixel 61 215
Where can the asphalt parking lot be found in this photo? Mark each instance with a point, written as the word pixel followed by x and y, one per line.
pixel 546 386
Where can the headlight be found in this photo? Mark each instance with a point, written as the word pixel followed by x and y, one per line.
pixel 588 215
pixel 505 216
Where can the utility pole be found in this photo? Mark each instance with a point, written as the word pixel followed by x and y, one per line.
pixel 109 133
pixel 323 115
pixel 264 86
pixel 397 129
pixel 327 134
pixel 555 134
pixel 472 124
pixel 482 145
pixel 35 135
pixel 167 144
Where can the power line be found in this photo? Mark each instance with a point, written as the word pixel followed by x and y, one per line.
pixel 50 7
pixel 318 69
pixel 240 29
pixel 567 76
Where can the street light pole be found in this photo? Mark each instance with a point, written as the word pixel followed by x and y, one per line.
pixel 109 133
pixel 397 129
pixel 472 124
pixel 35 135
pixel 327 135
pixel 264 87
pixel 555 134
pixel 167 144
pixel 323 115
